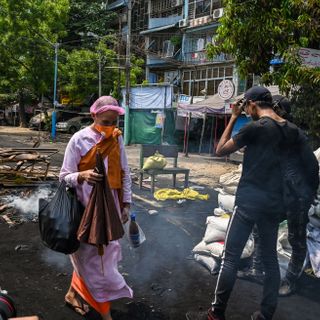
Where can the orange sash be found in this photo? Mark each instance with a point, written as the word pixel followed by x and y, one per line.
pixel 108 148
pixel 78 284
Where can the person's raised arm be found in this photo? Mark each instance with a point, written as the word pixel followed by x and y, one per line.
pixel 226 144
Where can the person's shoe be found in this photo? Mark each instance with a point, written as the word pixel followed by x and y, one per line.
pixel 287 288
pixel 203 315
pixel 253 275
pixel 257 316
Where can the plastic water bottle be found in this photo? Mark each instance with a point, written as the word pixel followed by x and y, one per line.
pixel 134 231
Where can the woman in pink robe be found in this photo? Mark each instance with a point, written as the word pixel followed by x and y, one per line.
pixel 108 285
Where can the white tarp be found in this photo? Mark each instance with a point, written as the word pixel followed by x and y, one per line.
pixel 150 97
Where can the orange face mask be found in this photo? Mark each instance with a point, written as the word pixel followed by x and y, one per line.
pixel 106 131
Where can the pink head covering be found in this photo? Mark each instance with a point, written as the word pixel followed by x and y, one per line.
pixel 106 103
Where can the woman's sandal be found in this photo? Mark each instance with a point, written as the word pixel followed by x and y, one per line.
pixel 81 309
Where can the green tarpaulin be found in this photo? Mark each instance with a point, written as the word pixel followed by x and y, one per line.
pixel 142 127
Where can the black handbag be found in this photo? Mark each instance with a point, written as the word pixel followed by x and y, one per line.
pixel 59 220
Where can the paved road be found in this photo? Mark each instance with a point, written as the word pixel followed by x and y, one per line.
pixel 166 282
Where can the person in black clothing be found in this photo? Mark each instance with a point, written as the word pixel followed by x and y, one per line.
pixel 296 213
pixel 259 198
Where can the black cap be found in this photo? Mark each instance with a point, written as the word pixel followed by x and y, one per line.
pixel 258 93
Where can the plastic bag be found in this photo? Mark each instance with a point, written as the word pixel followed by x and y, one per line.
pixel 134 243
pixel 59 220
pixel 157 161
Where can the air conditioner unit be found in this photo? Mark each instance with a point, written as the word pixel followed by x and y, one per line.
pixel 183 23
pixel 217 13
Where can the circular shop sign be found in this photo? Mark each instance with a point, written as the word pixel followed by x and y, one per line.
pixel 226 89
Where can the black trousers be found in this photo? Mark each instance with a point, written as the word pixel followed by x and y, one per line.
pixel 297 218
pixel 239 229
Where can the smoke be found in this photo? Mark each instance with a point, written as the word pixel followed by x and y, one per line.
pixel 28 204
pixel 58 260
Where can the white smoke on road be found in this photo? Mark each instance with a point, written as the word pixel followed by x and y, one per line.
pixel 28 205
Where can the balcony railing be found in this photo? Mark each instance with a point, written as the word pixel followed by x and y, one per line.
pixel 200 57
pixel 161 57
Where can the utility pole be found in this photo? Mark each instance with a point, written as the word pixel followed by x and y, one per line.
pixel 99 74
pixel 128 68
pixel 55 102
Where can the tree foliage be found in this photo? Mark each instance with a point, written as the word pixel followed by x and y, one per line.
pixel 89 17
pixel 26 29
pixel 255 32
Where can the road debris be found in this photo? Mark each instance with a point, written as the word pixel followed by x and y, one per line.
pixel 22 165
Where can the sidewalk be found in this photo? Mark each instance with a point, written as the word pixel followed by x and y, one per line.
pixel 17 131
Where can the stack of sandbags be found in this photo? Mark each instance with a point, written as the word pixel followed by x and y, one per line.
pixel 209 251
pixel 229 181
pixel 229 184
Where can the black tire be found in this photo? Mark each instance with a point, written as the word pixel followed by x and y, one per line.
pixel 73 130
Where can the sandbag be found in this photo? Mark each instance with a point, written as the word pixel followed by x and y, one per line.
pixel 248 248
pixel 230 189
pixel 317 154
pixel 157 161
pixel 314 214
pixel 226 201
pixel 216 228
pixel 231 178
pixel 313 244
pixel 209 263
pixel 219 212
pixel 215 249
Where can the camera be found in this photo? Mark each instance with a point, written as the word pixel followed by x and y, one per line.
pixel 241 103
pixel 8 309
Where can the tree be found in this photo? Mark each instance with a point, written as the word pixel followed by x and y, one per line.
pixel 79 74
pixel 87 17
pixel 255 32
pixel 27 27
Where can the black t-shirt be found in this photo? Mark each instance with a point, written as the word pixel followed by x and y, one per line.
pixel 260 186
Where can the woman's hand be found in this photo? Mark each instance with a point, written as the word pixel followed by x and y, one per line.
pixel 89 176
pixel 125 213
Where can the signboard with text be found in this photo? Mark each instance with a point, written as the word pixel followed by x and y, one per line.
pixel 310 57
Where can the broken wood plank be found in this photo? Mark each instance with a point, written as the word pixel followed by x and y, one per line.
pixel 4 207
pixel 7 220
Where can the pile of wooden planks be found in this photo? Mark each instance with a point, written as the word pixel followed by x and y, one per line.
pixel 24 165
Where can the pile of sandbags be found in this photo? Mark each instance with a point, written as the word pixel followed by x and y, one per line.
pixel 229 184
pixel 210 249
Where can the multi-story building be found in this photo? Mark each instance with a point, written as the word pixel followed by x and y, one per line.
pixel 163 40
pixel 172 35
pixel 199 73
pixel 139 22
